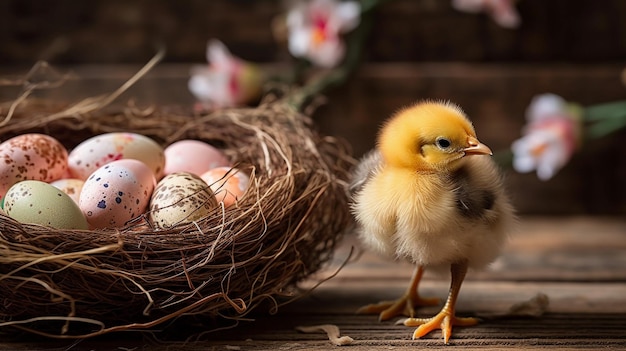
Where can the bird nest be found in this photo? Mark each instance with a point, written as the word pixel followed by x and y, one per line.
pixel 82 283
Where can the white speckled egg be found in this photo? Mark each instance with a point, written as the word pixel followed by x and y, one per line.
pixel 193 156
pixel 34 201
pixel 72 187
pixel 228 184
pixel 31 156
pixel 180 198
pixel 99 150
pixel 116 193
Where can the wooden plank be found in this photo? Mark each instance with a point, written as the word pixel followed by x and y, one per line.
pixel 482 298
pixel 554 330
pixel 410 30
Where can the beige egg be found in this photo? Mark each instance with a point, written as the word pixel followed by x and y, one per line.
pixel 72 187
pixel 228 184
pixel 102 149
pixel 116 193
pixel 180 198
pixel 31 156
pixel 33 201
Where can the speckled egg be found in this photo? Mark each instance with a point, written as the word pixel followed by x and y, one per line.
pixel 31 156
pixel 99 150
pixel 116 193
pixel 34 201
pixel 72 187
pixel 193 156
pixel 180 198
pixel 228 184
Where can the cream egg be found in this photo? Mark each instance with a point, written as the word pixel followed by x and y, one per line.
pixel 228 184
pixel 180 198
pixel 99 150
pixel 71 186
pixel 31 156
pixel 193 156
pixel 33 201
pixel 116 193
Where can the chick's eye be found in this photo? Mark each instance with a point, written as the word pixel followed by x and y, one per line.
pixel 443 143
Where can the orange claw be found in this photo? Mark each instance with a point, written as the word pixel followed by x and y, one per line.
pixel 443 320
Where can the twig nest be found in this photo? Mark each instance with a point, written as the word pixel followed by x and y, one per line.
pixel 226 261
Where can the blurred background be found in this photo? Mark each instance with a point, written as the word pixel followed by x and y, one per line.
pixel 415 49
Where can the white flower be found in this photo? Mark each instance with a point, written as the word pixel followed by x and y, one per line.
pixel 315 28
pixel 549 139
pixel 542 150
pixel 226 81
pixel 503 12
pixel 545 106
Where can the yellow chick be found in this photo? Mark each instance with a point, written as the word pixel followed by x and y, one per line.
pixel 429 193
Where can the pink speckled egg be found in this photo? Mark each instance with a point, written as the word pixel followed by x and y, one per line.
pixel 99 150
pixel 31 157
pixel 193 156
pixel 116 193
pixel 228 184
pixel 72 187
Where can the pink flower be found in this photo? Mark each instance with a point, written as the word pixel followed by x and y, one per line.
pixel 503 12
pixel 549 139
pixel 315 27
pixel 227 81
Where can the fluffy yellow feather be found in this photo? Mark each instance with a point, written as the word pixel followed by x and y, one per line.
pixel 429 193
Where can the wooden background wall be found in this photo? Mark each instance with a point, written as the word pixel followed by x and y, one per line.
pixel 417 49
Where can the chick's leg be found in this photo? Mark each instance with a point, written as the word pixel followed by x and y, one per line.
pixel 446 318
pixel 405 305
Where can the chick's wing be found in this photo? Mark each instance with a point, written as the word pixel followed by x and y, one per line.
pixel 369 165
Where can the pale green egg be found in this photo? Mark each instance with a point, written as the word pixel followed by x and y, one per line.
pixel 37 202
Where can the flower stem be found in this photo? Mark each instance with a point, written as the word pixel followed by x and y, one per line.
pixel 604 119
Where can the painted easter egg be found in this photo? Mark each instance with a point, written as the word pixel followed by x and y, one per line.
pixel 31 156
pixel 193 156
pixel 180 198
pixel 116 193
pixel 99 150
pixel 228 184
pixel 72 187
pixel 34 201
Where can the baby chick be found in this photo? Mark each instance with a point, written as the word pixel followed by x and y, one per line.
pixel 429 193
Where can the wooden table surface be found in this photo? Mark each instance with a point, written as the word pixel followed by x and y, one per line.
pixel 568 274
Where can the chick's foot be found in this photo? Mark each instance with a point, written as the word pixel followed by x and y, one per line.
pixel 405 305
pixel 444 320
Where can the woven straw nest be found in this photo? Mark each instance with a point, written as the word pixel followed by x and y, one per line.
pixel 76 284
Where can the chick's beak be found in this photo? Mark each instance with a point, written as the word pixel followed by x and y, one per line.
pixel 475 147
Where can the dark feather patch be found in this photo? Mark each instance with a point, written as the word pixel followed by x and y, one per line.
pixel 471 201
